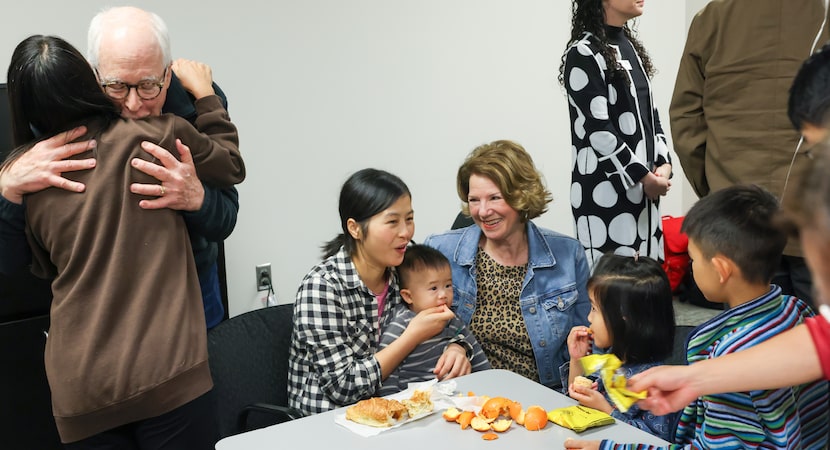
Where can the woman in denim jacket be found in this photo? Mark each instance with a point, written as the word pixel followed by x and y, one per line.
pixel 518 287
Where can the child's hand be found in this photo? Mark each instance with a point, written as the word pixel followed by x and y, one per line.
pixel 590 397
pixel 429 322
pixel 579 342
pixel 453 363
pixel 571 443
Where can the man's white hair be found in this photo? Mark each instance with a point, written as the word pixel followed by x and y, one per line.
pixel 125 15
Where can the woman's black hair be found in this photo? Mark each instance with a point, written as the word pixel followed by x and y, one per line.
pixel 365 193
pixel 52 89
pixel 635 299
pixel 589 15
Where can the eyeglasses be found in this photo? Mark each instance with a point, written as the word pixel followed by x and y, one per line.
pixel 146 90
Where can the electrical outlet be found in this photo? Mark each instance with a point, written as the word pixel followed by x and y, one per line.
pixel 263 277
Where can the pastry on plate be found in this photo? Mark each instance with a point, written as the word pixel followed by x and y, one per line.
pixel 377 412
pixel 419 404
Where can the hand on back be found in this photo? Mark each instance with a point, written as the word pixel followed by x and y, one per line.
pixel 182 189
pixel 196 77
pixel 44 164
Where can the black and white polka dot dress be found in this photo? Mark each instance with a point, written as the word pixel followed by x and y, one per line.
pixel 616 140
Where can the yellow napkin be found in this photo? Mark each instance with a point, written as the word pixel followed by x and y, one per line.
pixel 615 383
pixel 579 418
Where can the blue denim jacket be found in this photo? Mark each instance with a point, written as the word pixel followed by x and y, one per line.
pixel 554 297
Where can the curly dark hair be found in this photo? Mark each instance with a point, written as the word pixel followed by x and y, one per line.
pixel 589 15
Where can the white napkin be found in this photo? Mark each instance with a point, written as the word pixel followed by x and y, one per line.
pixel 440 399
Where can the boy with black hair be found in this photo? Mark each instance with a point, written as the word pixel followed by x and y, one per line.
pixel 809 104
pixel 425 278
pixel 735 247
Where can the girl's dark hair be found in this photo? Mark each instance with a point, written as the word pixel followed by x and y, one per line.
pixel 589 15
pixel 635 299
pixel 51 89
pixel 366 193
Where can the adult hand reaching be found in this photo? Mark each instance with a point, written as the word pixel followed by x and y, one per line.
pixel 179 187
pixel 669 388
pixel 43 166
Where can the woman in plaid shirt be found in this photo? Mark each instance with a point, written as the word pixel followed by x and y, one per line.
pixel 344 302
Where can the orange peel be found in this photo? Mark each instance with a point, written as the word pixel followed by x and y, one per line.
pixel 499 406
pixel 501 425
pixel 465 418
pixel 520 418
pixel 515 409
pixel 479 424
pixel 489 436
pixel 451 414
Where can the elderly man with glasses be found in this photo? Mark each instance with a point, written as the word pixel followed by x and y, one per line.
pixel 130 51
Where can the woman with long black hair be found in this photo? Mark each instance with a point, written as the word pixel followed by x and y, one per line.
pixel 621 160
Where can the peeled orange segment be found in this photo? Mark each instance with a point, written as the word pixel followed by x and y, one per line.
pixel 465 418
pixel 479 424
pixel 501 425
pixel 489 436
pixel 451 414
pixel 535 418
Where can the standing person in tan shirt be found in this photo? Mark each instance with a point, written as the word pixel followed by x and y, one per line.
pixel 729 107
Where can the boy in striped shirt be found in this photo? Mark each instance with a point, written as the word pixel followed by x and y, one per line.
pixel 735 248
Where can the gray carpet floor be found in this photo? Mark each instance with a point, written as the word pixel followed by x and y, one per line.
pixel 688 314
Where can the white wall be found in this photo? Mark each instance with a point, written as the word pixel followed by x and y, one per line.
pixel 321 88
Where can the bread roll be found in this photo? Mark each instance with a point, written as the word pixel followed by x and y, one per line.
pixel 583 381
pixel 419 404
pixel 377 412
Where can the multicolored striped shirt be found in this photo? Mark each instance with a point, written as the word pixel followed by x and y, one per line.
pixel 793 417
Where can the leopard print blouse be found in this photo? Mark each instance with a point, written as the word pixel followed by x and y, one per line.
pixel 497 323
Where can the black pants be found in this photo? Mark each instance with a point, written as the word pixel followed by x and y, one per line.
pixel 191 426
pixel 794 278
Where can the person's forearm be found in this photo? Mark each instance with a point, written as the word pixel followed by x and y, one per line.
pixel 15 253
pixel 391 357
pixel 793 353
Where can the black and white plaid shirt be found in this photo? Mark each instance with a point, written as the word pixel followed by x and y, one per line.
pixel 336 334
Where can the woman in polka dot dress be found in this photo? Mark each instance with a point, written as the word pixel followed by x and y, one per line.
pixel 621 163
